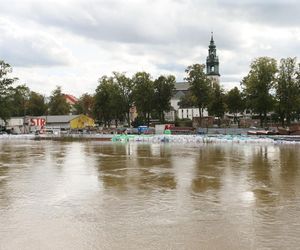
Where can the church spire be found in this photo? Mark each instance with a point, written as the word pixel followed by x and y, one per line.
pixel 212 38
pixel 212 60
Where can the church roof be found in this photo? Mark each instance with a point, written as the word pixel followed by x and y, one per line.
pixel 182 86
pixel 178 94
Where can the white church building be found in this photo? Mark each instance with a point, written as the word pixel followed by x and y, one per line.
pixel 212 71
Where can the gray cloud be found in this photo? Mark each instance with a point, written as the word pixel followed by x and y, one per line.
pixel 174 67
pixel 26 49
pixel 271 13
pixel 142 22
pixel 25 53
pixel 153 35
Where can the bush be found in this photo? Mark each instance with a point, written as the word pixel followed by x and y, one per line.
pixel 139 121
pixel 183 123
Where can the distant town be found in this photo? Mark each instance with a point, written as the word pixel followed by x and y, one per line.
pixel 268 97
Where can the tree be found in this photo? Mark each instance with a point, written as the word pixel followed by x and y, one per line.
pixel 138 121
pixel 235 103
pixel 163 91
pixel 216 105
pixel 108 102
pixel 187 101
pixel 36 104
pixel 143 94
pixel 5 91
pixel 85 105
pixel 287 89
pixel 200 85
pixel 258 85
pixel 20 97
pixel 58 104
pixel 126 86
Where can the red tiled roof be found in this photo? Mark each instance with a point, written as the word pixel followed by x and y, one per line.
pixel 71 99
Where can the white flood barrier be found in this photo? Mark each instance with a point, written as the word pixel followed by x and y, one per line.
pixel 206 139
pixel 17 137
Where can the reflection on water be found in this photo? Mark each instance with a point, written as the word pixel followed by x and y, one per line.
pixel 148 196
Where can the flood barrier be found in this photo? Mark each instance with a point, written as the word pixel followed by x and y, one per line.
pixel 207 139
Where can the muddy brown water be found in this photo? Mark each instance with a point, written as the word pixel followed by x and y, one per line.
pixel 93 195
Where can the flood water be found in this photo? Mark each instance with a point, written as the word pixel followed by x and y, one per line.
pixel 92 195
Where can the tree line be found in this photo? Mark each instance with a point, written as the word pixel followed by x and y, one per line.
pixel 111 102
pixel 268 88
pixel 21 101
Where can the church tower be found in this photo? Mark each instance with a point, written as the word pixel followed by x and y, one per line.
pixel 212 61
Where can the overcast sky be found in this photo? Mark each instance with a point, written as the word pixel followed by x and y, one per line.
pixel 72 43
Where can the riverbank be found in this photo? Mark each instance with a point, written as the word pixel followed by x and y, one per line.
pixel 58 137
pixel 17 137
pixel 75 137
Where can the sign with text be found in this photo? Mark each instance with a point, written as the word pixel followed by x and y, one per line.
pixel 38 122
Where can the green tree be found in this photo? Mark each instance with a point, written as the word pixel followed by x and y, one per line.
pixel 258 85
pixel 200 85
pixel 36 104
pixel 216 105
pixel 20 97
pixel 138 121
pixel 287 89
pixel 187 101
pixel 163 91
pixel 85 105
pixel 143 93
pixel 126 86
pixel 235 103
pixel 108 101
pixel 58 104
pixel 6 105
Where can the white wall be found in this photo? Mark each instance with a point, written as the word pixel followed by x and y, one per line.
pixel 15 122
pixel 174 103
pixel 170 116
pixel 190 113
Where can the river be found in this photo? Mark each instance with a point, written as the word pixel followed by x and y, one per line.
pixel 93 195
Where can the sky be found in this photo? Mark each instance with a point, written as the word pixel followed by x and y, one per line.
pixel 72 43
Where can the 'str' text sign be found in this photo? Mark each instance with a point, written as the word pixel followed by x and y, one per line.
pixel 40 122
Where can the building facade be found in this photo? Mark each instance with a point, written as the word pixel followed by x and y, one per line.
pixel 66 122
pixel 28 124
